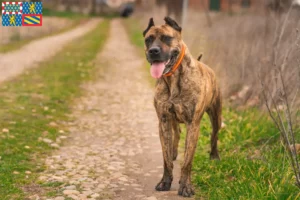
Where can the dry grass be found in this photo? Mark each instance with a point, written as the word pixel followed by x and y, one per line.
pixel 241 47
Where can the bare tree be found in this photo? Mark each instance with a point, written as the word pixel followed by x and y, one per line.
pixel 279 5
pixel 282 116
pixel 281 105
pixel 230 4
pixel 93 5
pixel 68 4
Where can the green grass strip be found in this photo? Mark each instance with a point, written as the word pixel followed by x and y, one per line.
pixel 32 101
pixel 253 163
pixel 135 34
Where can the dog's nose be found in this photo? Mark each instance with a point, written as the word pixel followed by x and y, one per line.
pixel 154 51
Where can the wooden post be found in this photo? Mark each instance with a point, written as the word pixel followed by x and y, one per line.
pixel 209 22
pixel 185 8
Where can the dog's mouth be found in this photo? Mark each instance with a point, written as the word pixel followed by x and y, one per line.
pixel 159 68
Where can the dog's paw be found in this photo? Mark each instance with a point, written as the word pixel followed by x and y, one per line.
pixel 186 190
pixel 163 186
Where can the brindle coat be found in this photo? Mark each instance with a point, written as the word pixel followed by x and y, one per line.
pixel 182 97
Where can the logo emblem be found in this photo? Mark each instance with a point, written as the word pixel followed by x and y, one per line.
pixel 11 20
pixel 22 13
pixel 32 20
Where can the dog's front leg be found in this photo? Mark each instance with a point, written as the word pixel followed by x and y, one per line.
pixel 176 134
pixel 166 139
pixel 186 188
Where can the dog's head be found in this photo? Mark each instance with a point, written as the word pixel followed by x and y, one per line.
pixel 163 46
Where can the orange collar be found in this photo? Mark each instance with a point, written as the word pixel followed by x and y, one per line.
pixel 178 62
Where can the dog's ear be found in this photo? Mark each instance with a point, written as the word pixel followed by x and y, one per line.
pixel 151 23
pixel 173 24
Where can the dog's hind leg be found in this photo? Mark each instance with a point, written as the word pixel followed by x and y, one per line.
pixel 176 138
pixel 215 112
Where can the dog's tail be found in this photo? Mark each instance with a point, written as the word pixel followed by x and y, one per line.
pixel 199 58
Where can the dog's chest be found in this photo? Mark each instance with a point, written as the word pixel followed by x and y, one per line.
pixel 177 97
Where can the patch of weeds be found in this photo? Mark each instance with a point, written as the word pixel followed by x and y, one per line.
pixel 51 194
pixel 52 184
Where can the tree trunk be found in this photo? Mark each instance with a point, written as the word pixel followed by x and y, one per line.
pixel 93 8
pixel 68 5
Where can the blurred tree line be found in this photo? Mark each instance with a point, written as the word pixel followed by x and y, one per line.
pixel 174 7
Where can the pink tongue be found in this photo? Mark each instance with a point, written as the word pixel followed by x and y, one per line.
pixel 157 69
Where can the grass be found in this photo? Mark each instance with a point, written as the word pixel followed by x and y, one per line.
pixel 32 101
pixel 254 164
pixel 14 45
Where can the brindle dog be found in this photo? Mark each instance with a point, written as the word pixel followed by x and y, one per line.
pixel 182 95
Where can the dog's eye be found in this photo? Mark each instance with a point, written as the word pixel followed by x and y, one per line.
pixel 149 39
pixel 166 39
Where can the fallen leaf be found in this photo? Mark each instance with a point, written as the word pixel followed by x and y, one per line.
pixel 231 178
pixel 223 125
pixel 297 146
pixel 256 155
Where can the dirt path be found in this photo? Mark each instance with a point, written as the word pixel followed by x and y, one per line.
pixel 113 150
pixel 14 63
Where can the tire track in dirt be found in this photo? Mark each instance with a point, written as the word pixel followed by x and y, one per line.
pixel 113 150
pixel 15 62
